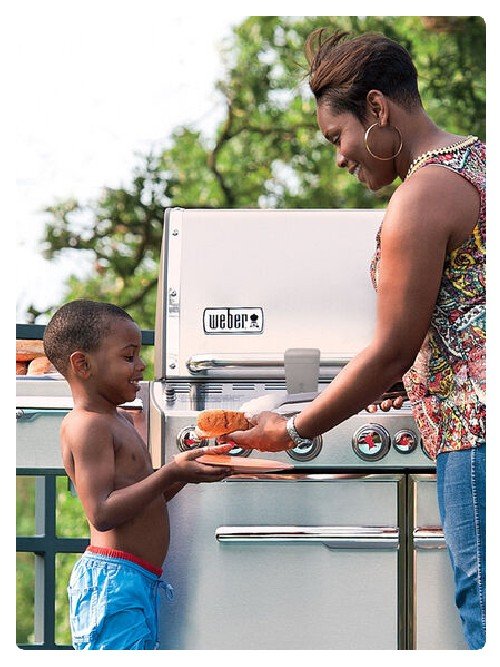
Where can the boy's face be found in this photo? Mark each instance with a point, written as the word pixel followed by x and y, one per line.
pixel 116 367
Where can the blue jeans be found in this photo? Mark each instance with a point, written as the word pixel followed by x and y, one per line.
pixel 461 486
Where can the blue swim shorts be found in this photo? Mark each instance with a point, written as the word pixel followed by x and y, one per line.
pixel 114 601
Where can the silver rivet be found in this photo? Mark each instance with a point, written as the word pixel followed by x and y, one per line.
pixel 172 366
pixel 175 232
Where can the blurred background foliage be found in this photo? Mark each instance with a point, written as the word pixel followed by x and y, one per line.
pixel 266 152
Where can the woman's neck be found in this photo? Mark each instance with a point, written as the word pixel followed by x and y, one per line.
pixel 420 134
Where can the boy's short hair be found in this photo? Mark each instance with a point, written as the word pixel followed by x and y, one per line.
pixel 78 325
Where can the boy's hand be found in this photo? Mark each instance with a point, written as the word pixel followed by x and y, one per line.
pixel 187 469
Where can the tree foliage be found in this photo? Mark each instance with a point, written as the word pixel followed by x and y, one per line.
pixel 266 152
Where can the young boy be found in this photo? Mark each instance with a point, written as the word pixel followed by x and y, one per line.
pixel 114 587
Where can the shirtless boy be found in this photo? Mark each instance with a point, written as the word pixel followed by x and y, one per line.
pixel 114 587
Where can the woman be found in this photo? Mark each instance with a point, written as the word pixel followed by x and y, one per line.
pixel 429 273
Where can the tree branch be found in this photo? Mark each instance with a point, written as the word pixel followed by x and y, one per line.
pixel 225 135
pixel 140 295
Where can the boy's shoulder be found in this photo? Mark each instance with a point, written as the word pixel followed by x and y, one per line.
pixel 80 425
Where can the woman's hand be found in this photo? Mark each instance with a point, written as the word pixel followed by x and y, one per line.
pixel 387 404
pixel 268 434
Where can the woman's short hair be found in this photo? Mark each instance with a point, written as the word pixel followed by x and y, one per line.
pixel 343 69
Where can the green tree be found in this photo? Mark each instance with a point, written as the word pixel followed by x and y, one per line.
pixel 267 151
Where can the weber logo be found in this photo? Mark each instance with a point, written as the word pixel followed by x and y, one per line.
pixel 233 321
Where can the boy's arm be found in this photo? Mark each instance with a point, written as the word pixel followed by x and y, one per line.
pixel 173 490
pixel 91 446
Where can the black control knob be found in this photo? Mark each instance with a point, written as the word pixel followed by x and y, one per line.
pixel 371 442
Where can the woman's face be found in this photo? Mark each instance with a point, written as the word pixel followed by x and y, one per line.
pixel 346 132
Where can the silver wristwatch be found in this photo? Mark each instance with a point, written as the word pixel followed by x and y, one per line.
pixel 298 440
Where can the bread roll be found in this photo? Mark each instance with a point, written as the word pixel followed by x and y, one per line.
pixel 40 365
pixel 27 350
pixel 21 367
pixel 211 423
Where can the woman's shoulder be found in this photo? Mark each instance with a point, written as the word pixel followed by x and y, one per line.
pixel 433 201
pixel 432 191
pixel 423 194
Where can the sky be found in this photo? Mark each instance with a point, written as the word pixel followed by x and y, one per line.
pixel 101 83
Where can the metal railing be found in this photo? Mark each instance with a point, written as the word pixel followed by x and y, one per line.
pixel 45 544
pixel 35 332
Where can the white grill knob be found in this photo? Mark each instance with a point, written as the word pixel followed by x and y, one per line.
pixel 237 451
pixel 187 439
pixel 371 442
pixel 306 452
pixel 405 442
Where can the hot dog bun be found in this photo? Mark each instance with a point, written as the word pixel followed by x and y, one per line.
pixel 211 423
pixel 27 350
pixel 40 365
pixel 21 367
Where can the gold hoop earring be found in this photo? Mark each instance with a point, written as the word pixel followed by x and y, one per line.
pixel 377 157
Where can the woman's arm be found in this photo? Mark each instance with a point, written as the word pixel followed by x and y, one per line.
pixel 413 249
pixel 414 240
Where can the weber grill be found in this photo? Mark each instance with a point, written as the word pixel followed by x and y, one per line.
pixel 345 550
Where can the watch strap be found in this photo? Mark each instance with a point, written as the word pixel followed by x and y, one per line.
pixel 298 440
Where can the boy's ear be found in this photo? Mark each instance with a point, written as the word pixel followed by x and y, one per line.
pixel 80 365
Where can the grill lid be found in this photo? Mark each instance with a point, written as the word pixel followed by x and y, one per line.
pixel 237 288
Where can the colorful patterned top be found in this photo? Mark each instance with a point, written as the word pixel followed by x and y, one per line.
pixel 447 383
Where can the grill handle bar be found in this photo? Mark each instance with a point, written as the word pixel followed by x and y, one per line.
pixel 198 363
pixel 332 537
pixel 430 537
pixel 206 362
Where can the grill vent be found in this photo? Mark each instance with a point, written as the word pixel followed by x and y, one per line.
pixel 244 386
pixel 212 389
pixel 185 388
pixel 177 387
pixel 275 386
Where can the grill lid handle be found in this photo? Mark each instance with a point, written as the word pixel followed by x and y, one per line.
pixel 198 363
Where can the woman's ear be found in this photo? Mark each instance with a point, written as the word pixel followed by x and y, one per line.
pixel 378 107
pixel 80 365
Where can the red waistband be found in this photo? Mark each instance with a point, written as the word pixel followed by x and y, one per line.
pixel 115 553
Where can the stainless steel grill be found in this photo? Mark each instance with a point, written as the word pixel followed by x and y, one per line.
pixel 343 551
